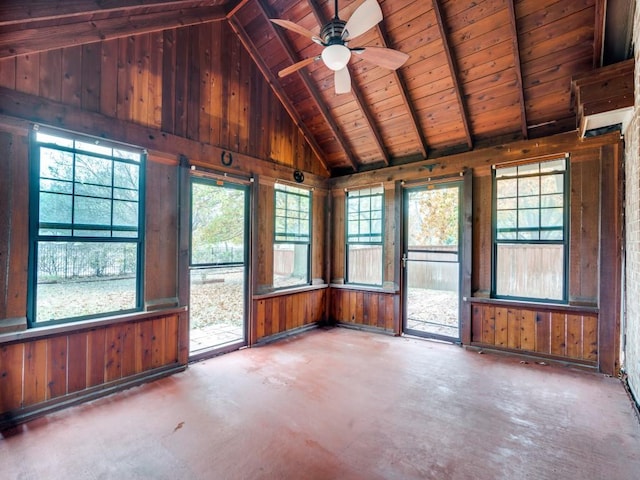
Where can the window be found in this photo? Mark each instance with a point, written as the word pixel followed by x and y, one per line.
pixel 530 235
pixel 292 242
pixel 86 232
pixel 364 236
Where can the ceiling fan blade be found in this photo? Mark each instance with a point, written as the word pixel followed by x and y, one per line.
pixel 342 81
pixel 294 27
pixel 366 16
pixel 297 66
pixel 383 57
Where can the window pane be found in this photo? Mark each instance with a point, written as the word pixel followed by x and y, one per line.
pixel 56 164
pixel 528 218
pixel 529 202
pixel 92 211
pixel 93 190
pixel 507 188
pixel 528 186
pixel 507 203
pixel 100 278
pixel 93 170
pixel 125 175
pixel 507 219
pixel 125 213
pixel 529 169
pixel 530 271
pixel 55 208
pixel 61 141
pixel 290 265
pixel 552 217
pixel 365 264
pixel 94 148
pixel 552 183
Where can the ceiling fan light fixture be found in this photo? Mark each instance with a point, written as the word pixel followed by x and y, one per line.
pixel 336 56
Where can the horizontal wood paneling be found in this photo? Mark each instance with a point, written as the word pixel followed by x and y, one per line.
pixel 365 308
pixel 35 371
pixel 282 313
pixel 567 335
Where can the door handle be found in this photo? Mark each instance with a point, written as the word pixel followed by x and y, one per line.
pixel 404 260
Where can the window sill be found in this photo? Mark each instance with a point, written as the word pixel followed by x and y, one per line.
pixel 52 330
pixel 288 291
pixel 550 307
pixel 364 288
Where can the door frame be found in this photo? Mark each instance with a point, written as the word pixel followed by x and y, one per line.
pixel 465 179
pixel 187 173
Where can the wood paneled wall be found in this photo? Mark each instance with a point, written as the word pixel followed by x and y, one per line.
pixel 50 369
pixel 186 81
pixel 569 335
pixel 281 313
pixel 374 309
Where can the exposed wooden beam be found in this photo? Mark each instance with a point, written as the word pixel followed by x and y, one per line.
pixel 404 93
pixel 38 38
pixel 454 74
pixel 18 110
pixel 518 67
pixel 311 88
pixel 19 11
pixel 598 33
pixel 357 94
pixel 480 160
pixel 277 89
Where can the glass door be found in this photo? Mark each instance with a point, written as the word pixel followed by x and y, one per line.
pixel 217 266
pixel 431 260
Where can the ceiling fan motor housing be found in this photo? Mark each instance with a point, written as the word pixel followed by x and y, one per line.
pixel 331 33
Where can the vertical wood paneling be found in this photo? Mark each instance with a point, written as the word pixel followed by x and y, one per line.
pixel 558 334
pixel 338 240
pixel 513 328
pixel 125 71
pixel 489 325
pixel 96 340
pixel 543 332
pixel 204 123
pixel 501 326
pixel 156 55
pixel 39 370
pixel 28 73
pixel 193 82
pixel 35 373
pixel 109 70
pixel 528 330
pixel 11 365
pixel 158 334
pixel 56 367
pixel 282 313
pixel 182 82
pixel 72 76
pixel 8 73
pixel 91 76
pixel 128 341
pixel 590 338
pixel 564 335
pixel 77 362
pixel 143 347
pixel 265 235
pixel 171 340
pixel 476 323
pixel 51 74
pixel 574 336
pixel 168 106
pixel 161 248
pixel 113 353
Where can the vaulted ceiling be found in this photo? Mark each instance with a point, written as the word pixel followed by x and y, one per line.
pixel 480 72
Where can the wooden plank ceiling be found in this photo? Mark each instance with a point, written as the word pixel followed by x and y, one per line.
pixel 479 72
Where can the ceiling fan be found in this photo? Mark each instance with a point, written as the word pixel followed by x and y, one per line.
pixel 335 36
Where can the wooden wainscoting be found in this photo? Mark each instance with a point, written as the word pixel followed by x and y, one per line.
pixel 282 312
pixel 374 309
pixel 43 372
pixel 569 335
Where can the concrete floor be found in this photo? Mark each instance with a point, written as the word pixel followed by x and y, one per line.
pixel 342 404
